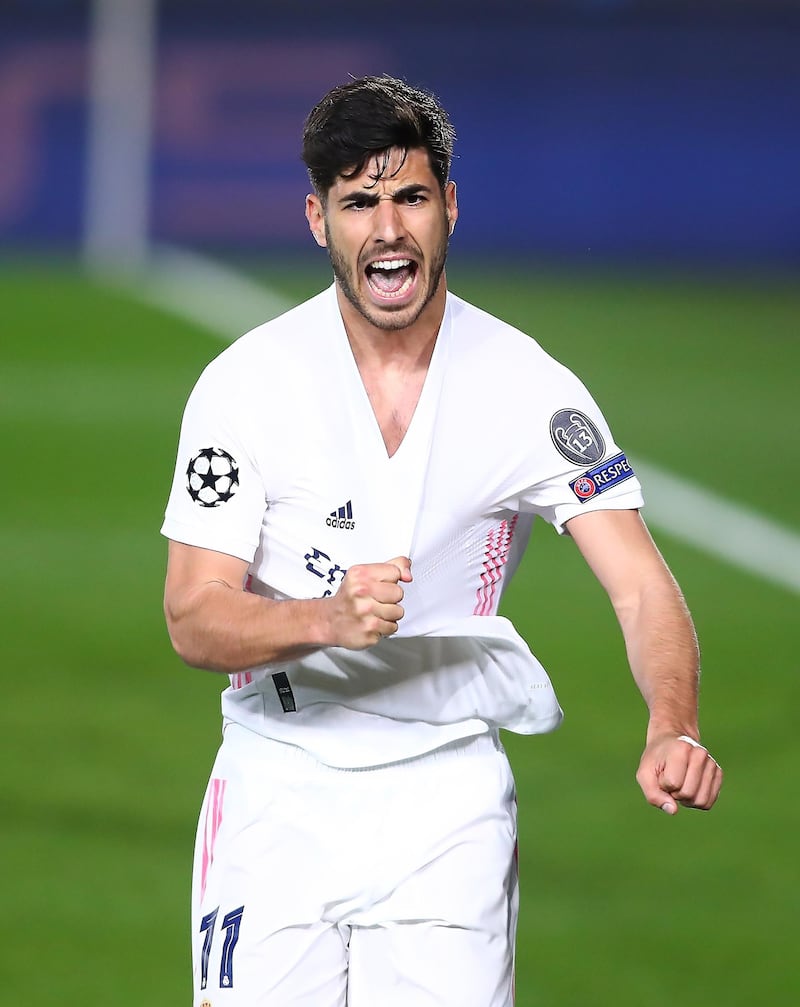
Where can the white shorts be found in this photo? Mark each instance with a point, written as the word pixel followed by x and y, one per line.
pixel 385 887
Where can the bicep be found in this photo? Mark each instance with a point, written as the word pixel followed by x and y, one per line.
pixel 620 552
pixel 190 569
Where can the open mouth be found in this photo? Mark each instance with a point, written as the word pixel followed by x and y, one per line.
pixel 391 279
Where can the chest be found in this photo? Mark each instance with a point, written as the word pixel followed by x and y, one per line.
pixel 363 469
pixel 393 400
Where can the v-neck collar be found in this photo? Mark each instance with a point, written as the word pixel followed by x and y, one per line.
pixel 396 482
pixel 419 431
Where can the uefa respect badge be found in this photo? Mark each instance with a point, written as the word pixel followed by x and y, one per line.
pixel 602 477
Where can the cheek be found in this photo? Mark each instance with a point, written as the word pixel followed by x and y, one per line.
pixel 345 244
pixel 438 235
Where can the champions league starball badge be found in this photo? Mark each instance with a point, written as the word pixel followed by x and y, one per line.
pixel 212 477
pixel 576 438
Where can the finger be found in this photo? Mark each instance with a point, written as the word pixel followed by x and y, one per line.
pixel 379 628
pixel 709 787
pixel 683 772
pixel 362 580
pixel 654 793
pixel 716 778
pixel 387 594
pixel 701 783
pixel 403 564
pixel 387 628
pixel 389 613
pixel 386 573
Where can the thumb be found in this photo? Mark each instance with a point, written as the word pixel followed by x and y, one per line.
pixel 668 805
pixel 657 795
pixel 403 564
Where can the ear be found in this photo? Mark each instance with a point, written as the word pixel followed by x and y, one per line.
pixel 451 205
pixel 315 215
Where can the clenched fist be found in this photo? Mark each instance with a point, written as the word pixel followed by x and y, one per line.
pixel 679 771
pixel 367 605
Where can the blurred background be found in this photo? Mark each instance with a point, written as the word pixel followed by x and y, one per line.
pixel 628 181
pixel 634 130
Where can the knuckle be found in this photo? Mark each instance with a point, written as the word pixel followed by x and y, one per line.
pixel 366 604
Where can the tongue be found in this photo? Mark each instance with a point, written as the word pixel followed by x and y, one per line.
pixel 389 281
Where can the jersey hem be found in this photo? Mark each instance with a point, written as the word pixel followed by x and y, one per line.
pixel 631 500
pixel 188 535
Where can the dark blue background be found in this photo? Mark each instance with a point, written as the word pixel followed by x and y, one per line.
pixel 588 130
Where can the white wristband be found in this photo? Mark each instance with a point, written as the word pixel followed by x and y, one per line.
pixel 690 741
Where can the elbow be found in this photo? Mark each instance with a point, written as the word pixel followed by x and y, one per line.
pixel 187 639
pixel 182 640
pixel 190 656
pixel 195 655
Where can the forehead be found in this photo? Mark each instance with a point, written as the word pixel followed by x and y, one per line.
pixel 386 172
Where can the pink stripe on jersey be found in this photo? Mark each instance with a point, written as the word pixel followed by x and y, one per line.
pixel 498 546
pixel 239 679
pixel 213 820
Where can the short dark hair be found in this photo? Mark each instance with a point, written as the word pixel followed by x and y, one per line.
pixel 369 116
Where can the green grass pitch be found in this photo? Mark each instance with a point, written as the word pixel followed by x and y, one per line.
pixel 108 739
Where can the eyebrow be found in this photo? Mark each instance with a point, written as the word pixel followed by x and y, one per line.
pixel 372 198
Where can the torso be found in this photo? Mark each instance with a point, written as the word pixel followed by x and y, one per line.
pixel 397 461
pixel 394 400
pixel 445 459
pixel 393 366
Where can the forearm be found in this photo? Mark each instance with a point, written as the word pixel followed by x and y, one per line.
pixel 215 624
pixel 663 655
pixel 219 627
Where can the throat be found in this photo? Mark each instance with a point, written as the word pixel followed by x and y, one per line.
pixel 393 375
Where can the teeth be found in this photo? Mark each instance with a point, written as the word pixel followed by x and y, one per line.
pixel 391 263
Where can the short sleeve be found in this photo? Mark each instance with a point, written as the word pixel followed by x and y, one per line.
pixel 580 466
pixel 218 497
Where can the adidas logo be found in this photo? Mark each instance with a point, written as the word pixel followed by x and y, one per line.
pixel 342 518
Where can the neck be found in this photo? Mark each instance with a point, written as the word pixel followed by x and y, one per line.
pixel 409 347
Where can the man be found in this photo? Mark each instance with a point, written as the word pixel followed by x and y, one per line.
pixel 356 483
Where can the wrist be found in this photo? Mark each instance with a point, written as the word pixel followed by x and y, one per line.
pixel 670 729
pixel 319 624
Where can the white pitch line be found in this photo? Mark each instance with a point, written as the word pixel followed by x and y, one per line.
pixel 228 303
pixel 727 530
pixel 224 301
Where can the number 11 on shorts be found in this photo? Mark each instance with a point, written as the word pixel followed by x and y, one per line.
pixel 230 924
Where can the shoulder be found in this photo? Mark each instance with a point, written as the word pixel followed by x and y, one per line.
pixel 504 351
pixel 288 334
pixel 273 350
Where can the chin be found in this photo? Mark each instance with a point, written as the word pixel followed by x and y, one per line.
pixel 392 319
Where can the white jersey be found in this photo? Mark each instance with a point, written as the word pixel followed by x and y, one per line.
pixel 281 463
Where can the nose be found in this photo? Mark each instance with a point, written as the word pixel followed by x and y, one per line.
pixel 388 221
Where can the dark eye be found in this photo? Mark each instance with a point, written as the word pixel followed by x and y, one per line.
pixel 415 198
pixel 358 203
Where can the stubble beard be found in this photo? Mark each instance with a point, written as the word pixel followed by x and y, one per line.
pixel 386 320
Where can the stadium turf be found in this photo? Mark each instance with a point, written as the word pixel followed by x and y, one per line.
pixel 107 739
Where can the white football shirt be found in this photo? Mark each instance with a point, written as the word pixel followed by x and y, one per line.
pixel 281 463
